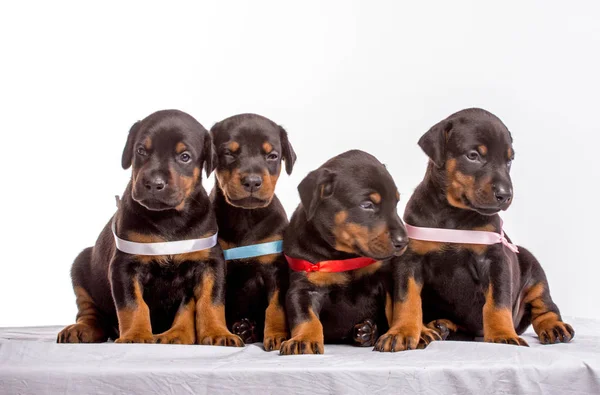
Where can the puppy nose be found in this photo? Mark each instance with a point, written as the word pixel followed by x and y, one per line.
pixel 252 182
pixel 399 242
pixel 503 193
pixel 155 184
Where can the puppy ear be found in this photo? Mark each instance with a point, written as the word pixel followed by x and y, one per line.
pixel 434 142
pixel 209 154
pixel 289 156
pixel 316 186
pixel 128 150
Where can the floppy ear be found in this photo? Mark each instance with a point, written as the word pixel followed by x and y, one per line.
pixel 434 142
pixel 128 150
pixel 315 187
pixel 209 154
pixel 289 156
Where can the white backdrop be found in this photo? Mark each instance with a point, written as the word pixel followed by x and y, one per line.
pixel 373 75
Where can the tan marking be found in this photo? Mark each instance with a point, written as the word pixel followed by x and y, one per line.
pixel 270 258
pixel 267 147
pixel 233 146
pixel 210 316
pixel 275 322
pixel 183 329
pixel 180 147
pixel 397 195
pixel 497 321
pixel 367 270
pixel 323 279
pixel 421 247
pixel 510 153
pixel 88 327
pixel 375 197
pixel 479 249
pixel 349 236
pixel 134 321
pixel 148 143
pixel 186 185
pixel 483 150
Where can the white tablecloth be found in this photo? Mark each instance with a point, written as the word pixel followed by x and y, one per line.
pixel 32 363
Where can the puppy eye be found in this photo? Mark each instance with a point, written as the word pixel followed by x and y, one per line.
pixel 473 156
pixel 272 156
pixel 142 151
pixel 367 205
pixel 185 157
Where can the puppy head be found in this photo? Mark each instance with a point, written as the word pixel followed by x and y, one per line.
pixel 351 201
pixel 250 149
pixel 471 151
pixel 167 150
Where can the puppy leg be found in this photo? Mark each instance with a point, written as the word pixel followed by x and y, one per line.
pixel 89 327
pixel 211 328
pixel 132 311
pixel 307 330
pixel 275 323
pixel 183 330
pixel 407 317
pixel 498 325
pixel 542 311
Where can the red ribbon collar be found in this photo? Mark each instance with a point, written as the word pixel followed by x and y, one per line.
pixel 342 265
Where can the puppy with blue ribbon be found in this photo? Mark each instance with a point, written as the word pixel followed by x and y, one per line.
pixel 251 150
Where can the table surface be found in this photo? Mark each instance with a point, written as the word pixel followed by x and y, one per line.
pixel 31 362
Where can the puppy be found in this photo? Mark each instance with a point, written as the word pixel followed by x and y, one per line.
pixel 487 290
pixel 347 214
pixel 156 298
pixel 250 151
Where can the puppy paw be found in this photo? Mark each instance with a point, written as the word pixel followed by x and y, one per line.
pixel 245 329
pixel 81 333
pixel 443 327
pixel 136 337
pixel 365 333
pixel 508 338
pixel 554 331
pixel 398 340
pixel 272 342
pixel 175 337
pixel 221 339
pixel 296 346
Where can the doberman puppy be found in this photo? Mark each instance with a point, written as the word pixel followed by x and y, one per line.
pixel 486 290
pixel 177 299
pixel 250 151
pixel 347 210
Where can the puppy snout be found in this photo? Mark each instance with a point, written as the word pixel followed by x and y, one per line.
pixel 252 182
pixel 503 193
pixel 399 242
pixel 155 184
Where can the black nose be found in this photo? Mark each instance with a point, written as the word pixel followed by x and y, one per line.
pixel 156 184
pixel 399 242
pixel 252 182
pixel 503 193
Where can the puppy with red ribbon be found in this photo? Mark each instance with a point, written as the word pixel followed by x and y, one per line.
pixel 338 246
pixel 460 265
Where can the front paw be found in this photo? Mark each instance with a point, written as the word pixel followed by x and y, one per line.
pixel 245 329
pixel 507 338
pixel 398 340
pixel 175 337
pixel 221 339
pixel 136 337
pixel 554 331
pixel 272 342
pixel 81 333
pixel 296 346
pixel 365 333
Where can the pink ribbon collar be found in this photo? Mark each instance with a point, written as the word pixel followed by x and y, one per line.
pixel 459 236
